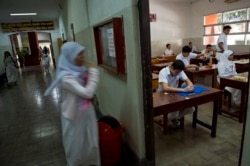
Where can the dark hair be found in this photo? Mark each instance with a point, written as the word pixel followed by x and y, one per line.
pixel 209 45
pixel 186 49
pixel 178 65
pixel 45 50
pixel 167 45
pixel 6 54
pixel 227 27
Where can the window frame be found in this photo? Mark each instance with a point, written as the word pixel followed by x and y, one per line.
pixel 247 24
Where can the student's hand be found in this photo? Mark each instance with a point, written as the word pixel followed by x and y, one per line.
pixel 189 89
pixel 90 64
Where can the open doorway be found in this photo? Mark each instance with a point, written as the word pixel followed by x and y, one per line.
pixel 44 40
pixel 188 146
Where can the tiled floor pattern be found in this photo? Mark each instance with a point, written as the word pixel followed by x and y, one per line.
pixel 30 131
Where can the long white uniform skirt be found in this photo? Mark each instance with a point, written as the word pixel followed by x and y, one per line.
pixel 80 139
pixel 11 73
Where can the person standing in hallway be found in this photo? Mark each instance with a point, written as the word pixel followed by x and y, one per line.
pixel 221 44
pixel 79 123
pixel 45 59
pixel 11 71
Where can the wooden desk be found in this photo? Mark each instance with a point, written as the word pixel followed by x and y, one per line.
pixel 242 65
pixel 165 103
pixel 245 55
pixel 160 66
pixel 243 86
pixel 154 81
pixel 204 70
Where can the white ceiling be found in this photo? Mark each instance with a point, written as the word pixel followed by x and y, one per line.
pixel 46 10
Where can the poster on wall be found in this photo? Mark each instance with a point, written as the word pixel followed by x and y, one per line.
pixel 152 17
pixel 111 45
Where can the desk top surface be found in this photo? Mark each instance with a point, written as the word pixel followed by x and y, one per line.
pixel 162 64
pixel 162 99
pixel 240 77
pixel 202 68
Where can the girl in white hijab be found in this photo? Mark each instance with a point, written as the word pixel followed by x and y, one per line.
pixel 226 68
pixel 79 123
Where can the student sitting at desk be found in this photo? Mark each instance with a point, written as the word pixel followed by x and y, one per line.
pixel 208 52
pixel 169 80
pixel 226 68
pixel 186 55
pixel 168 51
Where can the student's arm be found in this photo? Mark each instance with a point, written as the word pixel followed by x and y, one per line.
pixel 199 55
pixel 71 84
pixel 221 46
pixel 171 89
pixel 190 86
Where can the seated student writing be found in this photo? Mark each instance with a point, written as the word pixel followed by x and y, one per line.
pixel 168 51
pixel 186 55
pixel 226 68
pixel 168 82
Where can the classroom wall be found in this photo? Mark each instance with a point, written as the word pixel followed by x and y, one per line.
pixel 201 8
pixel 172 25
pixel 118 95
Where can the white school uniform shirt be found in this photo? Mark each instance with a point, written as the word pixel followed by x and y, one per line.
pixel 193 49
pixel 74 91
pixel 222 38
pixel 165 76
pixel 186 60
pixel 210 53
pixel 168 52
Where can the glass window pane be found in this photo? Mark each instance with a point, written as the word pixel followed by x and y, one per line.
pixel 211 30
pixel 235 39
pixel 248 39
pixel 235 15
pixel 249 27
pixel 210 40
pixel 213 19
pixel 248 13
pixel 238 27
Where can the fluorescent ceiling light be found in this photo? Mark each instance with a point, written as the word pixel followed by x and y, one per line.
pixel 23 14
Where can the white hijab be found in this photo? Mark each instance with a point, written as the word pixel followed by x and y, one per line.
pixel 66 64
pixel 225 66
pixel 224 58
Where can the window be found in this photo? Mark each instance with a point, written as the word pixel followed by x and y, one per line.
pixel 239 20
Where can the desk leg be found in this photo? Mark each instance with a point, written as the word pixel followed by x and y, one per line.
pixel 215 116
pixel 165 123
pixel 182 122
pixel 195 117
pixel 242 105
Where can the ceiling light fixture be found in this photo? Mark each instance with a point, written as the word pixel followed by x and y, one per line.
pixel 23 14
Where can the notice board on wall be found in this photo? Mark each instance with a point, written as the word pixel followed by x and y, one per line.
pixel 27 26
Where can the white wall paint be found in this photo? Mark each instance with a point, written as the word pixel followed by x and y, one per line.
pixel 201 8
pixel 172 25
